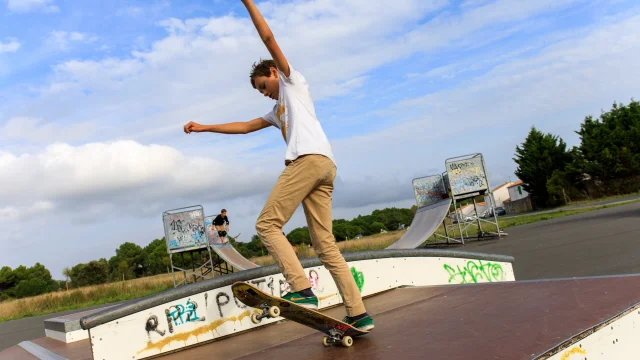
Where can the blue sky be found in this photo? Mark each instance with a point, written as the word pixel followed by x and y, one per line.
pixel 93 97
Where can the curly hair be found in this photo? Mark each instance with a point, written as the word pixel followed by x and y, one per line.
pixel 263 68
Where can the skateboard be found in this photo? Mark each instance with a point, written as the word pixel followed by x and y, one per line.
pixel 336 331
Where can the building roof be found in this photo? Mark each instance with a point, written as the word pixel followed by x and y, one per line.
pixel 519 182
pixel 501 186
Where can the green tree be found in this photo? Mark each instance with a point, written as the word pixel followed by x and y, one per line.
pixel 32 287
pixel 7 279
pixel 134 256
pixel 66 272
pixel 611 148
pixel 94 272
pixel 537 159
pixel 376 227
pixel 156 257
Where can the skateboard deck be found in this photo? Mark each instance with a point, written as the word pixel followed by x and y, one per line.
pixel 271 306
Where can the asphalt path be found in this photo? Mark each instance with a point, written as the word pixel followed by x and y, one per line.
pixel 599 242
pixel 575 207
pixel 595 243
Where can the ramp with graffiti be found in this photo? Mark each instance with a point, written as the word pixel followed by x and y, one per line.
pixel 205 311
pixel 229 254
pixel 226 251
pixel 433 205
pixel 424 224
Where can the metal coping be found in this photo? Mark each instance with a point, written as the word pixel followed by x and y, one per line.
pixel 141 304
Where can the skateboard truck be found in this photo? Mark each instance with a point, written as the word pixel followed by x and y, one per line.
pixel 335 338
pixel 274 311
pixel 267 312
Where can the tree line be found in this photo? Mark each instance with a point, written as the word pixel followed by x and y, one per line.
pixel 132 261
pixel 606 162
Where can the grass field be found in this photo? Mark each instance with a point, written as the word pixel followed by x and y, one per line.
pixel 133 289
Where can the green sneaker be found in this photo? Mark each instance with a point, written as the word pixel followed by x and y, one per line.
pixel 364 324
pixel 310 302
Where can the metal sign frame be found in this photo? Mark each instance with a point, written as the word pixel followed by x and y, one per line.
pixel 206 267
pixel 474 219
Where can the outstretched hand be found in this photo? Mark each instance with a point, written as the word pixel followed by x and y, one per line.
pixel 193 127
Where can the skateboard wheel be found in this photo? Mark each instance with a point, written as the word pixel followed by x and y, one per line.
pixel 325 341
pixel 274 311
pixel 347 341
pixel 255 319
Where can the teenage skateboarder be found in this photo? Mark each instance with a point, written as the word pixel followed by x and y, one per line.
pixel 307 178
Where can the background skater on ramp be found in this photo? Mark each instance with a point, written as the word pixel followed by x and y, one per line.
pixel 308 177
pixel 219 223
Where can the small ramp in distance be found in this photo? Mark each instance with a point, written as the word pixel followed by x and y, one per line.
pixel 425 222
pixel 229 254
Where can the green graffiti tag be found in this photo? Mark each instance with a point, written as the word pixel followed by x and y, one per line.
pixel 474 272
pixel 358 276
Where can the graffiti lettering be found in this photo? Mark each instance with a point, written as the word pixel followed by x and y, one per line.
pixel 284 287
pixel 152 325
pixel 176 316
pixel 314 280
pixel 270 285
pixel 258 282
pixel 186 229
pixel 220 303
pixel 467 176
pixel 238 303
pixel 429 190
pixel 474 271
pixel 358 276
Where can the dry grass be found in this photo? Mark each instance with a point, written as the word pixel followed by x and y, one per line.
pixel 373 242
pixel 132 289
pixel 84 297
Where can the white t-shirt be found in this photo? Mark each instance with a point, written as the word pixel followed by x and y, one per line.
pixel 295 116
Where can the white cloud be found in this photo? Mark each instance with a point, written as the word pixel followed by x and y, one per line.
pixel 131 11
pixel 124 174
pixel 11 213
pixel 36 130
pixel 23 6
pixel 12 45
pixel 199 72
pixel 62 40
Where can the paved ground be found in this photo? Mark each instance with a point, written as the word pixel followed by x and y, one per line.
pixel 574 207
pixel 601 242
pixel 13 332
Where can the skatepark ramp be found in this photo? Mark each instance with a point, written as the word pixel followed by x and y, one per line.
pixel 560 319
pixel 226 251
pixel 433 205
pixel 207 311
pixel 229 254
pixel 424 224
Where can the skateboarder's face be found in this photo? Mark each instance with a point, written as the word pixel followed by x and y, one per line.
pixel 268 86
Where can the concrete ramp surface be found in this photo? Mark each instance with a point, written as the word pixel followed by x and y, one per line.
pixel 229 254
pixel 565 319
pixel 424 224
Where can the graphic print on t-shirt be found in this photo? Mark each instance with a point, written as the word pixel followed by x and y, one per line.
pixel 283 123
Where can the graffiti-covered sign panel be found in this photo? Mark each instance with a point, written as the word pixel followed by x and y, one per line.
pixel 429 190
pixel 467 176
pixel 185 230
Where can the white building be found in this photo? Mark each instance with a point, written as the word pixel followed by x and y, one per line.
pixel 500 194
pixel 516 191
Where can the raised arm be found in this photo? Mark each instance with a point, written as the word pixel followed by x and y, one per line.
pixel 244 127
pixel 267 37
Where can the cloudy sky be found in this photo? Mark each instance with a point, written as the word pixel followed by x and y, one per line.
pixel 93 97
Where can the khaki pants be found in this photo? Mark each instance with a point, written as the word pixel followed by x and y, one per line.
pixel 307 180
